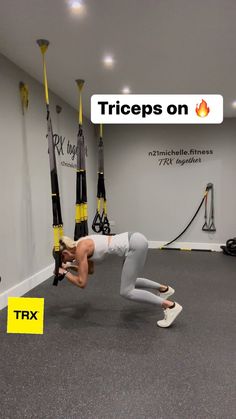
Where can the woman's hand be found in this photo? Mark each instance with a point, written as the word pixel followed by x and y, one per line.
pixel 62 271
pixel 64 265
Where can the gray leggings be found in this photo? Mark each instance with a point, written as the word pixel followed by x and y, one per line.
pixel 133 265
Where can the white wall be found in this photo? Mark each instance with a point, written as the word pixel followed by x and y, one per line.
pixel 143 196
pixel 25 203
pixel 160 201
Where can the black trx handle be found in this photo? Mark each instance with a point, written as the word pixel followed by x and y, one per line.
pixel 209 225
pixel 97 223
pixel 212 216
pixel 105 224
pixel 58 264
pixel 205 225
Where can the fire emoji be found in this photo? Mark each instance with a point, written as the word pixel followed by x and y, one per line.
pixel 202 110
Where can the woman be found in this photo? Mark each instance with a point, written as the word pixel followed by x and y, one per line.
pixel 133 247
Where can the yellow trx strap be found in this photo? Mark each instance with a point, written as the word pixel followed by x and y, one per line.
pixel 85 211
pixel 101 131
pixel 78 213
pixel 56 236
pixel 43 44
pixel 24 95
pixel 80 84
pixel 105 207
pixel 61 231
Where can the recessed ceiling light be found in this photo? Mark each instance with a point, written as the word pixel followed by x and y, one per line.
pixel 126 90
pixel 234 104
pixel 108 61
pixel 76 6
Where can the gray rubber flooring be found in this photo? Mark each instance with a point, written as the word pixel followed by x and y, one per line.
pixel 103 357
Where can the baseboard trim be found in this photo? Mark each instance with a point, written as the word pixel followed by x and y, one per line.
pixel 25 286
pixel 186 245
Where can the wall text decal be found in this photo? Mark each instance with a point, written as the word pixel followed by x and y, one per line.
pixel 171 157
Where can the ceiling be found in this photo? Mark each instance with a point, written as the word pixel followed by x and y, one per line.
pixel 160 46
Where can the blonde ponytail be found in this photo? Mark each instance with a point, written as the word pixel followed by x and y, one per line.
pixel 66 242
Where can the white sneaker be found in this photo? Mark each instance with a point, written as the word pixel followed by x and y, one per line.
pixel 170 291
pixel 170 315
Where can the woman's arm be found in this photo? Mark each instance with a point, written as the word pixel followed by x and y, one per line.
pixel 71 278
pixel 72 267
pixel 67 266
pixel 81 278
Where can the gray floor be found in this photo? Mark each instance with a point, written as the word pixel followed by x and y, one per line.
pixel 104 357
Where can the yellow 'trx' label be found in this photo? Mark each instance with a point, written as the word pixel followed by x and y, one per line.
pixel 25 315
